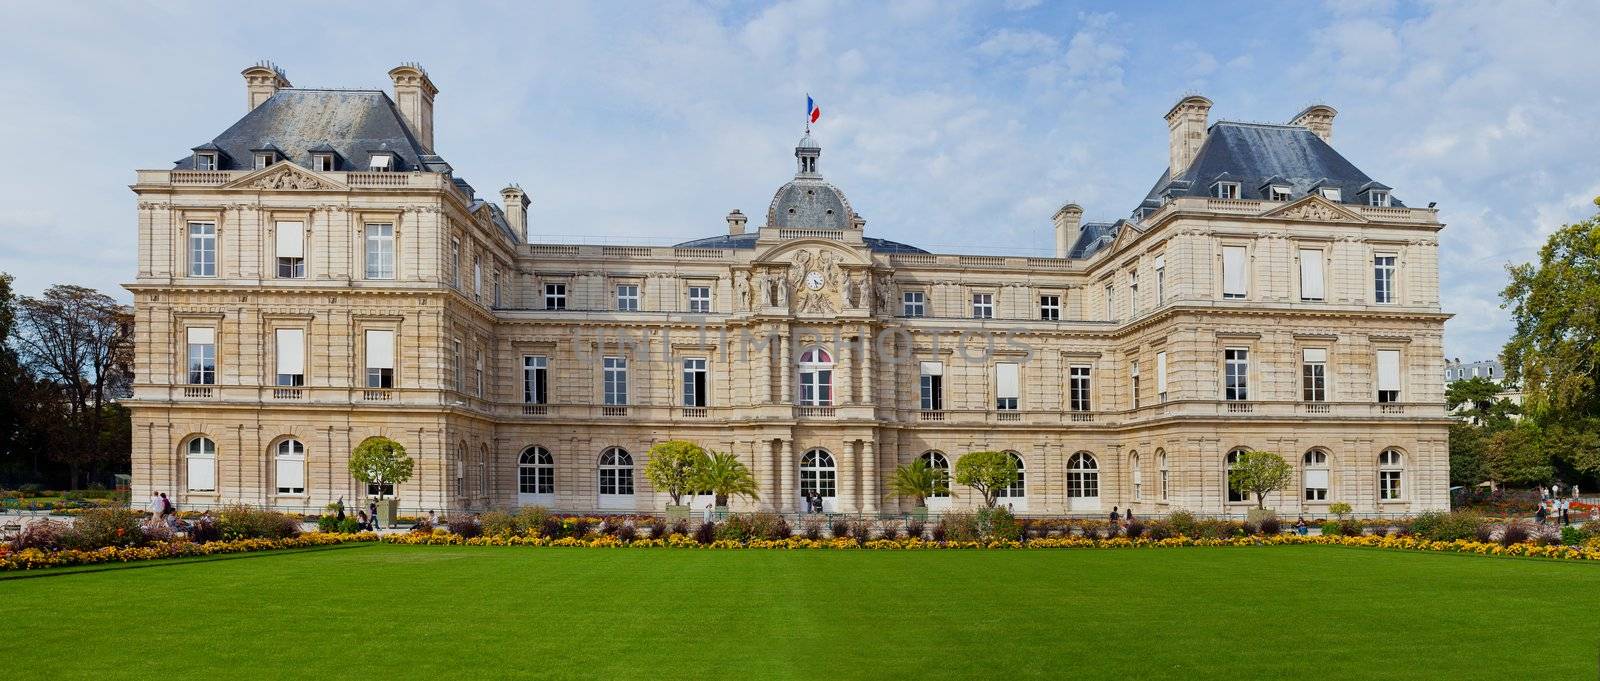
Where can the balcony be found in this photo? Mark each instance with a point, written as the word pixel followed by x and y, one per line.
pixel 535 410
pixel 377 396
pixel 814 412
pixel 195 392
pixel 288 394
pixel 614 411
pixel 693 412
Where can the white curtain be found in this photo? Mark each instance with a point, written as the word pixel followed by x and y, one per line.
pixel 1316 355
pixel 1161 372
pixel 1233 270
pixel 291 240
pixel 380 349
pixel 202 473
pixel 1317 477
pixel 1005 379
pixel 291 351
pixel 1388 369
pixel 202 335
pixel 932 368
pixel 1311 274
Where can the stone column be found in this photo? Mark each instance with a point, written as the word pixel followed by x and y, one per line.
pixel 785 364
pixel 869 471
pixel 866 350
pixel 774 467
pixel 786 490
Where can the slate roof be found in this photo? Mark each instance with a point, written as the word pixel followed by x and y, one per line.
pixel 748 240
pixel 1253 153
pixel 1094 236
pixel 353 123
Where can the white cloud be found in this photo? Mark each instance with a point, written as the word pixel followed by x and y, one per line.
pixel 1007 42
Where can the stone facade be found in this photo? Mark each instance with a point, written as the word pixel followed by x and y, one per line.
pixel 469 305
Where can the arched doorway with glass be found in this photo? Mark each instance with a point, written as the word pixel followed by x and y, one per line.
pixel 1015 496
pixel 616 479
pixel 940 464
pixel 1083 483
pixel 536 477
pixel 816 378
pixel 819 477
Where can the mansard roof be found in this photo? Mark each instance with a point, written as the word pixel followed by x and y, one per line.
pixel 1093 237
pixel 748 240
pixel 1253 153
pixel 352 123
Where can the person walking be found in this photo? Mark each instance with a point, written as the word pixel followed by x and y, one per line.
pixel 169 513
pixel 156 506
pixel 1540 514
pixel 372 514
pixel 1566 505
pixel 706 516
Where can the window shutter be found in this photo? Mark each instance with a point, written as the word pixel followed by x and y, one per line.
pixel 292 472
pixel 932 368
pixel 1005 379
pixel 380 349
pixel 1316 355
pixel 1233 274
pixel 1388 369
pixel 1161 372
pixel 291 351
pixel 1317 477
pixel 202 473
pixel 291 240
pixel 1311 273
pixel 202 335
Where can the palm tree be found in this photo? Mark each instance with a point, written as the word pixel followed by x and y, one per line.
pixel 726 476
pixel 917 480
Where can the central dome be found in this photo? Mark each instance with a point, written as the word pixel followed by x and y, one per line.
pixel 808 201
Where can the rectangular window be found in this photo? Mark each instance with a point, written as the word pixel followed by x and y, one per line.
pixel 380 358
pixel 694 382
pixel 202 249
pixel 1378 198
pixel 1388 375
pixel 263 160
pixel 1161 376
pixel 1316 484
pixel 380 163
pixel 455 263
pixel 203 467
pixel 1225 190
pixel 1078 388
pixel 477 276
pixel 291 249
pixel 535 379
pixel 322 162
pixel 700 299
pixel 291 474
pixel 1383 270
pixel 1161 278
pixel 1005 386
pixel 1133 378
pixel 1133 291
pixel 202 353
pixel 1311 278
pixel 982 305
pixel 497 288
pixel 1314 375
pixel 457 371
pixel 380 251
pixel 1234 275
pixel 477 371
pixel 912 304
pixel 932 386
pixel 615 380
pixel 1389 485
pixel 291 351
pixel 628 297
pixel 555 296
pixel 1050 308
pixel 1236 374
pixel 1279 193
pixel 205 162
pixel 1331 193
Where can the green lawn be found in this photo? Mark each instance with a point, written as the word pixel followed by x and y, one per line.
pixel 382 611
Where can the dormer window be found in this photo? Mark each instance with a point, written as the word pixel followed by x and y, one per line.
pixel 381 163
pixel 205 161
pixel 1279 192
pixel 265 158
pixel 1225 190
pixel 1330 193
pixel 1378 197
pixel 322 162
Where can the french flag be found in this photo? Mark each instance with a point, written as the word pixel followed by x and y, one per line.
pixel 812 112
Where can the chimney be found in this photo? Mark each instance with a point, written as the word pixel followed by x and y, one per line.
pixel 1186 128
pixel 1318 118
pixel 263 80
pixel 736 221
pixel 1068 221
pixel 516 204
pixel 413 93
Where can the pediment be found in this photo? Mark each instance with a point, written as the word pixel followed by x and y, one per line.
pixel 796 250
pixel 286 176
pixel 1314 208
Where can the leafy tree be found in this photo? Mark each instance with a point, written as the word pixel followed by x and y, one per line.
pixel 988 472
pixel 1554 351
pixel 11 383
pixel 724 475
pixel 381 461
pixel 917 480
pixel 1482 398
pixel 1573 443
pixel 1468 450
pixel 1516 456
pixel 1259 473
pixel 673 466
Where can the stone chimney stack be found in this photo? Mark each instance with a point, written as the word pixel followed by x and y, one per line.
pixel 516 205
pixel 1318 118
pixel 736 222
pixel 413 94
pixel 1069 223
pixel 263 80
pixel 1186 128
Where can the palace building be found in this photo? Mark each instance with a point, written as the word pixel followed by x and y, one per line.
pixel 318 274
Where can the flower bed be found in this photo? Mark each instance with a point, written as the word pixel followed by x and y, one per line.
pixel 33 559
pixel 1587 552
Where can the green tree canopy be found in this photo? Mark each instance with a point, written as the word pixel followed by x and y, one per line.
pixel 1260 474
pixel 1469 446
pixel 1516 456
pixel 724 475
pixel 917 480
pixel 381 461
pixel 1484 406
pixel 987 472
pixel 1554 351
pixel 673 466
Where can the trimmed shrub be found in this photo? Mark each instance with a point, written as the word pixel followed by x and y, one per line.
pixel 100 527
pixel 1436 526
pixel 465 525
pixel 327 523
pixel 735 527
pixel 1183 524
pixel 498 524
pixel 915 528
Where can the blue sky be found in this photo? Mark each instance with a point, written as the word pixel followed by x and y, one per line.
pixel 958 126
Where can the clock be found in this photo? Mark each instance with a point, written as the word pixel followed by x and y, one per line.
pixel 814 280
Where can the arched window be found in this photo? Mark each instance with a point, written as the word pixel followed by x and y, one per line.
pixel 816 378
pixel 536 472
pixel 818 474
pixel 1390 468
pixel 1083 476
pixel 291 467
pixel 938 463
pixel 202 465
pixel 1233 461
pixel 1018 489
pixel 483 470
pixel 1315 471
pixel 616 472
pixel 1161 464
pixel 1138 476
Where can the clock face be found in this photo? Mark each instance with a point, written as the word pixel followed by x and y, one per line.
pixel 814 280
